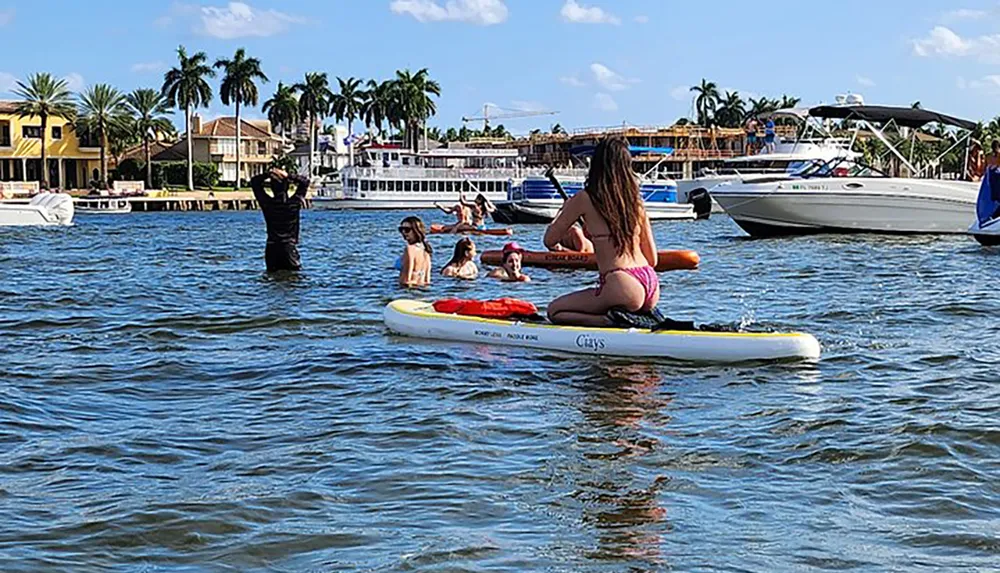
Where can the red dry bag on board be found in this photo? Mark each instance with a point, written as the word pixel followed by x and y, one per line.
pixel 499 308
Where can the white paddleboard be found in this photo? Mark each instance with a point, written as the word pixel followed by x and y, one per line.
pixel 419 319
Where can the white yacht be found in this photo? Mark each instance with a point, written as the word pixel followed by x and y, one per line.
pixel 43 209
pixel 393 178
pixel 843 194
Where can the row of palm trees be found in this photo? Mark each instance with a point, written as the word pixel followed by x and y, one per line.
pixel 100 112
pixel 730 110
pixel 117 120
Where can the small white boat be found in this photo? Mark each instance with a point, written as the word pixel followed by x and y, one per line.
pixel 103 205
pixel 43 209
pixel 419 319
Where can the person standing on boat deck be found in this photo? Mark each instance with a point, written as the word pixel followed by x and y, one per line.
pixel 281 215
pixel 613 212
pixel 993 159
pixel 769 135
pixel 751 129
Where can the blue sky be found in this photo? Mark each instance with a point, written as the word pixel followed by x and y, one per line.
pixel 597 62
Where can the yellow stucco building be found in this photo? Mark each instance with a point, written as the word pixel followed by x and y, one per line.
pixel 72 163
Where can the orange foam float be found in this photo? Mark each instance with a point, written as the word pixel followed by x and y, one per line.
pixel 437 228
pixel 665 260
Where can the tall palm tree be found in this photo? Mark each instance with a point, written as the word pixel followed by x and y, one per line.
pixel 731 110
pixel 44 97
pixel 412 96
pixel 186 87
pixel 377 100
pixel 788 102
pixel 706 101
pixel 347 105
pixel 102 109
pixel 314 102
pixel 558 129
pixel 149 119
pixel 239 87
pixel 282 109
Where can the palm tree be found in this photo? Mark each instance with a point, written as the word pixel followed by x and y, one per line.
pixel 706 101
pixel 788 102
pixel 149 110
pixel 186 87
pixel 103 109
pixel 413 98
pixel 731 110
pixel 377 100
pixel 44 97
pixel 239 87
pixel 347 105
pixel 314 101
pixel 282 109
pixel 557 129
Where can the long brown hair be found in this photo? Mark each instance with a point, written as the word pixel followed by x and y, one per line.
pixel 462 249
pixel 614 191
pixel 418 231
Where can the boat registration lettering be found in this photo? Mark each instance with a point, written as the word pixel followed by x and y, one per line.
pixel 806 187
pixel 595 343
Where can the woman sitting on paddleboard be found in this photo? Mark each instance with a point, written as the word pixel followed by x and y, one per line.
pixel 463 263
pixel 415 267
pixel 613 213
pixel 510 265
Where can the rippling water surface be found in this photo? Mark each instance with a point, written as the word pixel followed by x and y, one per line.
pixel 165 405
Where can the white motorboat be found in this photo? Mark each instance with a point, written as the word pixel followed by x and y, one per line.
pixel 986 228
pixel 814 144
pixel 844 195
pixel 103 205
pixel 42 209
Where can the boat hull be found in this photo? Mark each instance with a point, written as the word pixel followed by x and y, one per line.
pixel 795 207
pixel 987 234
pixel 44 209
pixel 543 211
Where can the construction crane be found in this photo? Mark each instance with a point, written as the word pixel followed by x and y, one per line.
pixel 507 114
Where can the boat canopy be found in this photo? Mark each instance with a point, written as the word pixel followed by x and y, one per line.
pixel 588 150
pixel 905 116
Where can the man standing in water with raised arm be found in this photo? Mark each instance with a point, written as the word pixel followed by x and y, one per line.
pixel 281 215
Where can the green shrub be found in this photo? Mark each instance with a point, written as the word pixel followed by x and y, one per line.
pixel 175 173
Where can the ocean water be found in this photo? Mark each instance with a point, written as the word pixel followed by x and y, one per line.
pixel 166 406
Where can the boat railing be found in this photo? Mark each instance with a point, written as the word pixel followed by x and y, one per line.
pixel 432 173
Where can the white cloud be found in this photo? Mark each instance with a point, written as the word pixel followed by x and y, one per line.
pixel 960 83
pixel 6 17
pixel 7 82
pixel 865 81
pixel 480 12
pixel 609 79
pixel 942 41
pixel 965 14
pixel 526 105
pixel 74 81
pixel 580 14
pixel 572 81
pixel 641 19
pixel 145 67
pixel 605 102
pixel 240 20
pixel 681 93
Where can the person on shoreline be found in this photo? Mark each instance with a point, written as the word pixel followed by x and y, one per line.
pixel 613 212
pixel 415 264
pixel 462 213
pixel 479 208
pixel 463 263
pixel 281 216
pixel 510 265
